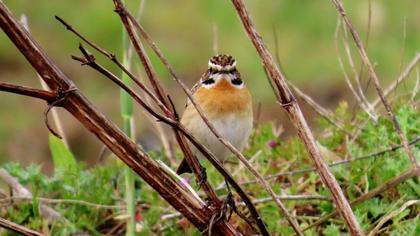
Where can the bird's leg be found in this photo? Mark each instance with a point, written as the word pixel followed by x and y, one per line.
pixel 202 177
pixel 229 201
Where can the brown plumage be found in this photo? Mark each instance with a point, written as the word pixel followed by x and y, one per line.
pixel 227 104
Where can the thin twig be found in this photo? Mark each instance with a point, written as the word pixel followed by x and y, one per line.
pixel 20 191
pixel 106 131
pixel 18 228
pixel 27 91
pixel 380 189
pixel 288 102
pixel 58 124
pixel 215 39
pixel 302 197
pixel 239 169
pixel 337 163
pixel 360 102
pixel 160 55
pixel 355 76
pixel 89 60
pixel 392 215
pixel 416 87
pixel 115 60
pixel 340 8
pixel 155 82
pixel 61 201
pixel 323 112
pixel 404 75
pixel 164 98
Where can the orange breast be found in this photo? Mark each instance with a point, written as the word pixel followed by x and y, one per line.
pixel 224 99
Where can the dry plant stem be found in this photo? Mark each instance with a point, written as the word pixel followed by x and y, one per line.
pixel 18 228
pixel 27 91
pixel 61 201
pixel 392 215
pixel 124 13
pixel 356 77
pixel 90 62
pixel 265 200
pixel 114 59
pixel 360 101
pixel 21 191
pixel 416 87
pixel 375 154
pixel 378 190
pixel 136 80
pixel 54 113
pixel 163 104
pixel 404 75
pixel 201 113
pixel 108 133
pixel 372 74
pixel 164 98
pixel 324 113
pixel 289 103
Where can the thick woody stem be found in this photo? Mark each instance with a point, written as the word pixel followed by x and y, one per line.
pixel 236 152
pixel 89 60
pixel 107 132
pixel 372 74
pixel 164 98
pixel 295 115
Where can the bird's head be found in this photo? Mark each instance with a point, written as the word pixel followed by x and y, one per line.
pixel 222 73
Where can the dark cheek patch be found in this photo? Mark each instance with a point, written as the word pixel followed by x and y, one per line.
pixel 237 82
pixel 208 81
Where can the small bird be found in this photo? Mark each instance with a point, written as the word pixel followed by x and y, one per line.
pixel 227 103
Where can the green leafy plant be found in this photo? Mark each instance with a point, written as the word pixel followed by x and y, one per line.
pixel 92 199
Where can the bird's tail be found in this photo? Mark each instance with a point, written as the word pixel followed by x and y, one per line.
pixel 183 167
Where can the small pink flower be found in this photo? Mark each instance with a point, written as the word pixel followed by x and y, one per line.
pixel 272 143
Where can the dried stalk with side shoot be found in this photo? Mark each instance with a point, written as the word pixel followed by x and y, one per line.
pixel 403 76
pixel 70 98
pixel 363 103
pixel 122 11
pixel 89 60
pixel 288 102
pixel 164 104
pixel 380 189
pixel 165 99
pixel 333 164
pixel 372 74
pixel 166 112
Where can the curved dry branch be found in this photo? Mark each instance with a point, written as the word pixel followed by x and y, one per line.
pixel 372 74
pixel 288 102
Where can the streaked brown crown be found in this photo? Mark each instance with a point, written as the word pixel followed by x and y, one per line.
pixel 222 63
pixel 222 60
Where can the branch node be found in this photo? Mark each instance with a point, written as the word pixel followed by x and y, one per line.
pixel 289 103
pixel 120 9
pixel 59 99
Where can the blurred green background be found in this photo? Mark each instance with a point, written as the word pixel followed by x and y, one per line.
pixel 185 30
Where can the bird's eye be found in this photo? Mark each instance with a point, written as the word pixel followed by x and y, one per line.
pixel 208 81
pixel 237 82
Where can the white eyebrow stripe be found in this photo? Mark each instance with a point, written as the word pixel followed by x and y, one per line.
pixel 222 68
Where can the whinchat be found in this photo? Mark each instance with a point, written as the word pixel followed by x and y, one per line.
pixel 226 102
